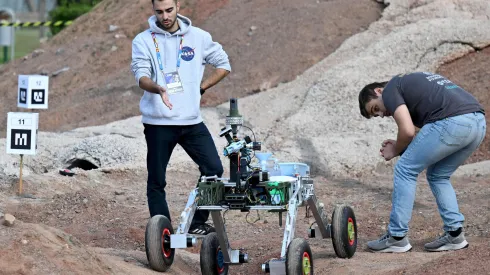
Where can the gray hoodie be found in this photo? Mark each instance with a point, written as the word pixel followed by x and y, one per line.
pixel 198 50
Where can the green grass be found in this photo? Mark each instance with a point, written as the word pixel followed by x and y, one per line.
pixel 26 41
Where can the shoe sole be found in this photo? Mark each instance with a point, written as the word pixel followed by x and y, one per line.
pixel 450 246
pixel 394 249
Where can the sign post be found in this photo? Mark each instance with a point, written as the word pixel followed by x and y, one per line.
pixel 20 173
pixel 22 137
pixel 7 34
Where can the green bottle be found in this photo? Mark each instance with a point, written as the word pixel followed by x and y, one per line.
pixel 277 196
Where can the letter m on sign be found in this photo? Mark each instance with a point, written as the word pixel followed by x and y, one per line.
pixel 20 139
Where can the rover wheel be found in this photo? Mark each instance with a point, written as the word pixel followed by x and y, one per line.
pixel 211 258
pixel 344 231
pixel 157 243
pixel 299 260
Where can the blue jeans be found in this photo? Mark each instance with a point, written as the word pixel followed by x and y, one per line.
pixel 441 147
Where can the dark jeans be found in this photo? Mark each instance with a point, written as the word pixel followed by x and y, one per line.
pixel 161 141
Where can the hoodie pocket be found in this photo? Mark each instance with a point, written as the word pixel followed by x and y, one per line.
pixel 152 106
pixel 186 104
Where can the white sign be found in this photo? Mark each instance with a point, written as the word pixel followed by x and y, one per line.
pixel 33 92
pixel 6 36
pixel 22 133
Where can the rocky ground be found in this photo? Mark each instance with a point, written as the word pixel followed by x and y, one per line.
pixel 94 222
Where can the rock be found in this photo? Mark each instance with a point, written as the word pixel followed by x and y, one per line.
pixel 117 36
pixel 60 71
pixel 8 220
pixel 105 170
pixel 118 193
pixel 36 53
pixel 113 28
pixel 99 151
pixel 114 48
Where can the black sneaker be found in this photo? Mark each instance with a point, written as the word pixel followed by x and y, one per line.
pixel 201 229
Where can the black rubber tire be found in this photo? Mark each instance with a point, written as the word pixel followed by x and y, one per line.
pixel 294 257
pixel 157 227
pixel 209 256
pixel 344 245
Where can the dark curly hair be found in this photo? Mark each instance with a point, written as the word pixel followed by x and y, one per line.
pixel 367 94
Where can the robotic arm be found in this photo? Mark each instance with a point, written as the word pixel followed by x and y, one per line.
pixel 238 151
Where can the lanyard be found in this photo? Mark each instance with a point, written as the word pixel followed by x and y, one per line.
pixel 158 51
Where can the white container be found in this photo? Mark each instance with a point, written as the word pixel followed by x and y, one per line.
pixel 293 168
pixel 268 164
pixel 5 36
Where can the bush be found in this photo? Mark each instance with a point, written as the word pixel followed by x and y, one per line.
pixel 69 11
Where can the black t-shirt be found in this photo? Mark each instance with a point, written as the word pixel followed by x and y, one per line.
pixel 429 97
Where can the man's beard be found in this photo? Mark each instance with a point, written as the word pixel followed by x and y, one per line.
pixel 161 26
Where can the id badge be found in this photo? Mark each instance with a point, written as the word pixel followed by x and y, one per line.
pixel 174 85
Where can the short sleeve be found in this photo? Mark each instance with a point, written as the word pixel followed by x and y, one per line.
pixel 392 96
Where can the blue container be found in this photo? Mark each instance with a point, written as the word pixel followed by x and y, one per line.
pixel 293 168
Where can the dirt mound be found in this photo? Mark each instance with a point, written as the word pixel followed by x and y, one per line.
pixel 316 119
pixel 39 249
pixel 323 126
pixel 97 87
pixel 92 223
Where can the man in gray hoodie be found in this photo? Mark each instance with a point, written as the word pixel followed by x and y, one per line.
pixel 168 62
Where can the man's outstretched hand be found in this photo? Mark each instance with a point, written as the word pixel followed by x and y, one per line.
pixel 147 84
pixel 163 93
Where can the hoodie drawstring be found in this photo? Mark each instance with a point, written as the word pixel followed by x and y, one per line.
pixel 163 63
pixel 164 52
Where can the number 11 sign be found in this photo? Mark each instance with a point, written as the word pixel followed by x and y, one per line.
pixel 22 133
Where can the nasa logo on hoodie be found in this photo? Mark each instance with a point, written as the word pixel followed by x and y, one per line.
pixel 187 53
